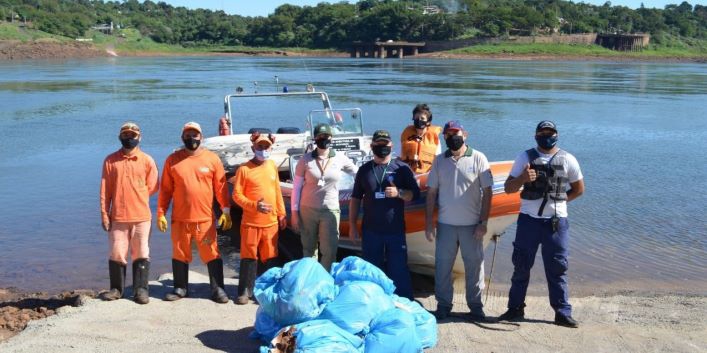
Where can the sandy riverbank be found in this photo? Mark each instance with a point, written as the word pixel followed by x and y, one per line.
pixel 49 49
pixel 620 323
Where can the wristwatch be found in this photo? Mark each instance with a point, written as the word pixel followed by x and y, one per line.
pixel 483 223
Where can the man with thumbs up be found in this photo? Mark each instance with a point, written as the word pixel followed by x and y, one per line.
pixel 384 185
pixel 550 178
pixel 192 177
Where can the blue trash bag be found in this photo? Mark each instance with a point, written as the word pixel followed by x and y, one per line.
pixel 295 293
pixel 355 268
pixel 425 323
pixel 356 305
pixel 393 331
pixel 265 328
pixel 318 336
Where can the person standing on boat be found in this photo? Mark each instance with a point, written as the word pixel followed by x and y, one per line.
pixel 257 190
pixel 315 197
pixel 550 178
pixel 129 178
pixel 384 184
pixel 462 179
pixel 192 177
pixel 420 141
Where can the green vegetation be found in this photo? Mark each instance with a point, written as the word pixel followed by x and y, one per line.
pixel 537 49
pixel 12 32
pixel 157 26
pixel 579 50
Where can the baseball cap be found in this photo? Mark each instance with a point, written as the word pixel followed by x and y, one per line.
pixel 191 126
pixel 381 135
pixel 546 124
pixel 453 125
pixel 322 129
pixel 258 137
pixel 129 126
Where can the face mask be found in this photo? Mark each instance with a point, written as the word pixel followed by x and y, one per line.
pixel 262 155
pixel 546 142
pixel 455 142
pixel 129 143
pixel 191 143
pixel 381 151
pixel 419 124
pixel 323 143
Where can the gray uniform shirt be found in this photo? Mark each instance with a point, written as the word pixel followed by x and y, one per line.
pixel 315 194
pixel 459 186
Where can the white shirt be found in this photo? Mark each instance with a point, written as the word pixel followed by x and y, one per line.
pixel 531 207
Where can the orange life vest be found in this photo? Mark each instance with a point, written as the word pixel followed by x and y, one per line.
pixel 419 154
pixel 224 128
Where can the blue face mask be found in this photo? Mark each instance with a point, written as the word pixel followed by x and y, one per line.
pixel 262 155
pixel 546 142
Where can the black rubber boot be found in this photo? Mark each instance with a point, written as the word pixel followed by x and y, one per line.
pixel 218 294
pixel 265 266
pixel 141 274
pixel 246 281
pixel 116 271
pixel 180 270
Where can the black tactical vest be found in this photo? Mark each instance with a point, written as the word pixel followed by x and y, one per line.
pixel 551 181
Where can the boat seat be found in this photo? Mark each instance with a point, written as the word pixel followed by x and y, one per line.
pixel 262 130
pixel 289 130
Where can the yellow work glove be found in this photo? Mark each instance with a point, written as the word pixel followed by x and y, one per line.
pixel 162 224
pixel 225 221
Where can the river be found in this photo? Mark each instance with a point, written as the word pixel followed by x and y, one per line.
pixel 639 131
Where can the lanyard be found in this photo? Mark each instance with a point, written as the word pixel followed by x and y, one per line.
pixel 322 169
pixel 380 181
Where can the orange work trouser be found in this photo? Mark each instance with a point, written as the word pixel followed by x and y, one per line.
pixel 201 233
pixel 259 242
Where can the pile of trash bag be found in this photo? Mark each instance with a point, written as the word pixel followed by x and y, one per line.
pixel 352 309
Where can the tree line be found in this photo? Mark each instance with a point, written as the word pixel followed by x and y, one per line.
pixel 335 25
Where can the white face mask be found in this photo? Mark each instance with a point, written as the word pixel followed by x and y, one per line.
pixel 262 155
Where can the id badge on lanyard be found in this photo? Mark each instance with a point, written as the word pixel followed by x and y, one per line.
pixel 321 181
pixel 380 194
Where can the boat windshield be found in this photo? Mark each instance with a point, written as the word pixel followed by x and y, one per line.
pixel 343 122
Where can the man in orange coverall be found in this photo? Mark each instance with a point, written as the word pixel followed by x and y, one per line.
pixel 257 191
pixel 192 176
pixel 129 178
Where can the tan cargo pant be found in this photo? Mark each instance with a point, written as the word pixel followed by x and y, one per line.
pixel 320 226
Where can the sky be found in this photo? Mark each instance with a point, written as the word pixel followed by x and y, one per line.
pixel 266 7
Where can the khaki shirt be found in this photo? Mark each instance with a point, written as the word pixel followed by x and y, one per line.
pixel 459 184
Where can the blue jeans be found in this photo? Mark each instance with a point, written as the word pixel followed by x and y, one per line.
pixel 389 252
pixel 531 233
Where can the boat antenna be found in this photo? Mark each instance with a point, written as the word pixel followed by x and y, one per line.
pixel 494 238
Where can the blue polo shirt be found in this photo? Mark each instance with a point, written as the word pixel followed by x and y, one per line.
pixel 386 215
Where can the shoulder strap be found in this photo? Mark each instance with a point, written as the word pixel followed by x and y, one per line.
pixel 532 154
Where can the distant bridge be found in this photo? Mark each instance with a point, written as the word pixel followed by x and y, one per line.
pixel 383 50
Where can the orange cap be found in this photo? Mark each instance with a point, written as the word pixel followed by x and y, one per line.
pixel 258 137
pixel 129 126
pixel 191 126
